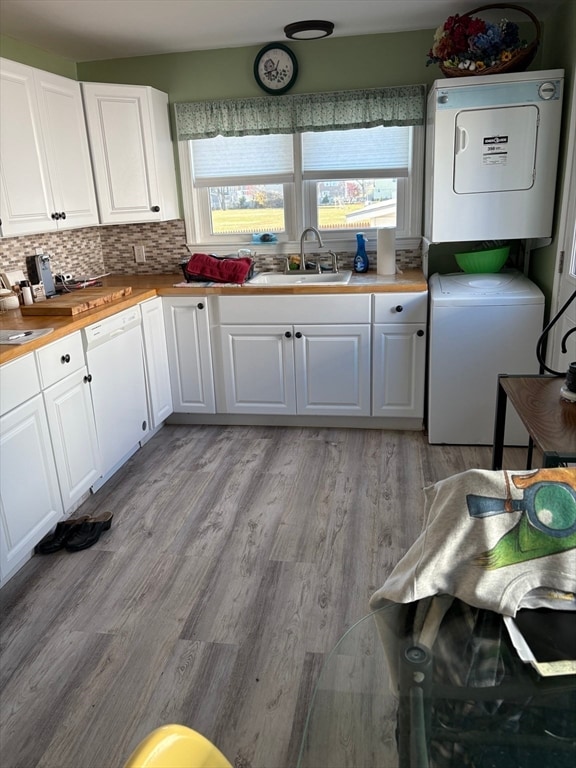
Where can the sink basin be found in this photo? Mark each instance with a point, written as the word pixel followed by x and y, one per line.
pixel 299 278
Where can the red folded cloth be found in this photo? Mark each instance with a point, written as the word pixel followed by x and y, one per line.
pixel 219 270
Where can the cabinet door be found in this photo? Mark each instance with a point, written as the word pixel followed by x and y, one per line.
pixel 67 153
pixel 332 369
pixel 398 369
pixel 25 194
pixel 123 127
pixel 30 503
pixel 73 431
pixel 189 354
pixel 118 388
pixel 156 358
pixel 258 368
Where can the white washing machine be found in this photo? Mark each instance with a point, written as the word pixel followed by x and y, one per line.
pixel 481 325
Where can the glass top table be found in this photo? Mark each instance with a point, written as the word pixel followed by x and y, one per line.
pixel 382 701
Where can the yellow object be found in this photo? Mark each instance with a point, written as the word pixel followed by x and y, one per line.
pixel 176 746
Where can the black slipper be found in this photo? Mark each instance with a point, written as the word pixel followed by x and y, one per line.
pixel 57 539
pixel 88 533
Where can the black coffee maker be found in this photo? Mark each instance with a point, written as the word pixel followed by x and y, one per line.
pixel 39 271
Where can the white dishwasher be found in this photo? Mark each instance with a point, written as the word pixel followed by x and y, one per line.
pixel 115 359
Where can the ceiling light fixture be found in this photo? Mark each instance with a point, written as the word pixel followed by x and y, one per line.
pixel 308 30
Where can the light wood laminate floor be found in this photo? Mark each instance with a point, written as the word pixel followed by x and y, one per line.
pixel 237 558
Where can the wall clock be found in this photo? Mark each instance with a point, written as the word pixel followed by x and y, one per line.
pixel 275 68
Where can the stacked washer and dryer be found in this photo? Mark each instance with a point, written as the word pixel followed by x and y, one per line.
pixel 491 157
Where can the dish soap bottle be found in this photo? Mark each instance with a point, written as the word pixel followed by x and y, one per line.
pixel 361 258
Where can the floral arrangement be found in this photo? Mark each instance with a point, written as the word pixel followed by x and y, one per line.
pixel 470 43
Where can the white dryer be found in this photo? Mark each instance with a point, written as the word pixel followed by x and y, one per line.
pixel 491 156
pixel 480 326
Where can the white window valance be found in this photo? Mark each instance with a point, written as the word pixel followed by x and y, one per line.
pixel 337 110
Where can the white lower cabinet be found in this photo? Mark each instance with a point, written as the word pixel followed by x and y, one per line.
pixel 313 365
pixel 30 503
pixel 399 355
pixel 67 397
pixel 258 369
pixel 73 431
pixel 189 354
pixel 156 359
pixel 398 359
pixel 332 369
pixel 319 370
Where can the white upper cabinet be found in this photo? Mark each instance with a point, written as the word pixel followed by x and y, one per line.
pixel 132 152
pixel 46 178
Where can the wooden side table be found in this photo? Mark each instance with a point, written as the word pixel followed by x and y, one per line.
pixel 549 420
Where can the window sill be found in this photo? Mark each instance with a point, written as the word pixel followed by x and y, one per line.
pixel 342 245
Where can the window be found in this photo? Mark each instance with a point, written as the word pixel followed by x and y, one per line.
pixel 338 181
pixel 240 184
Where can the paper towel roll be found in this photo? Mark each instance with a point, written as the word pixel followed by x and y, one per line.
pixel 386 251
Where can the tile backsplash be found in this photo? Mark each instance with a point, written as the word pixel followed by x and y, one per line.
pixel 94 250
pixel 74 250
pixel 164 243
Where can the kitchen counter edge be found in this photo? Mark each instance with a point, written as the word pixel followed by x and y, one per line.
pixel 148 286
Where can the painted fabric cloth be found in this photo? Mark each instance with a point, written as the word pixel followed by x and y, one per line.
pixel 491 538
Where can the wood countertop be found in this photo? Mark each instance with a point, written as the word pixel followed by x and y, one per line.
pixel 147 286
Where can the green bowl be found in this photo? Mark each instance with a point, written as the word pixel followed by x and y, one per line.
pixel 483 261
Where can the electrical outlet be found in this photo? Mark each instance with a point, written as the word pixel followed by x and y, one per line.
pixel 139 254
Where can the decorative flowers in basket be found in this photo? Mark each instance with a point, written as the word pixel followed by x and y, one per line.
pixel 471 44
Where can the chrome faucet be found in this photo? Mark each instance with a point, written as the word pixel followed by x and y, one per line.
pixel 302 267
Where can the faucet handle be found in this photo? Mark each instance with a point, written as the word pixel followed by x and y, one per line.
pixel 334 261
pixel 286 260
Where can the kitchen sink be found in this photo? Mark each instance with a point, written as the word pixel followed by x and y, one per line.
pixel 301 278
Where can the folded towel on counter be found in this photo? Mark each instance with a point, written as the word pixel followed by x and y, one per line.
pixel 203 266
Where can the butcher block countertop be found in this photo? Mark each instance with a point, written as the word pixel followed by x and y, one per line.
pixel 147 286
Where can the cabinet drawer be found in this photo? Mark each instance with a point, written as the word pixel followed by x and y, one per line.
pixel 400 307
pixel 59 359
pixel 19 381
pixel 333 308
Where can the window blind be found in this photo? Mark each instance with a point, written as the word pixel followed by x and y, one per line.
pixel 378 152
pixel 222 160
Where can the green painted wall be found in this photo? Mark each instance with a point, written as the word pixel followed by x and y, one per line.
pixel 559 51
pixel 36 57
pixel 337 63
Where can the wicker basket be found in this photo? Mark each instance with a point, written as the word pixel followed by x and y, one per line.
pixel 518 63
